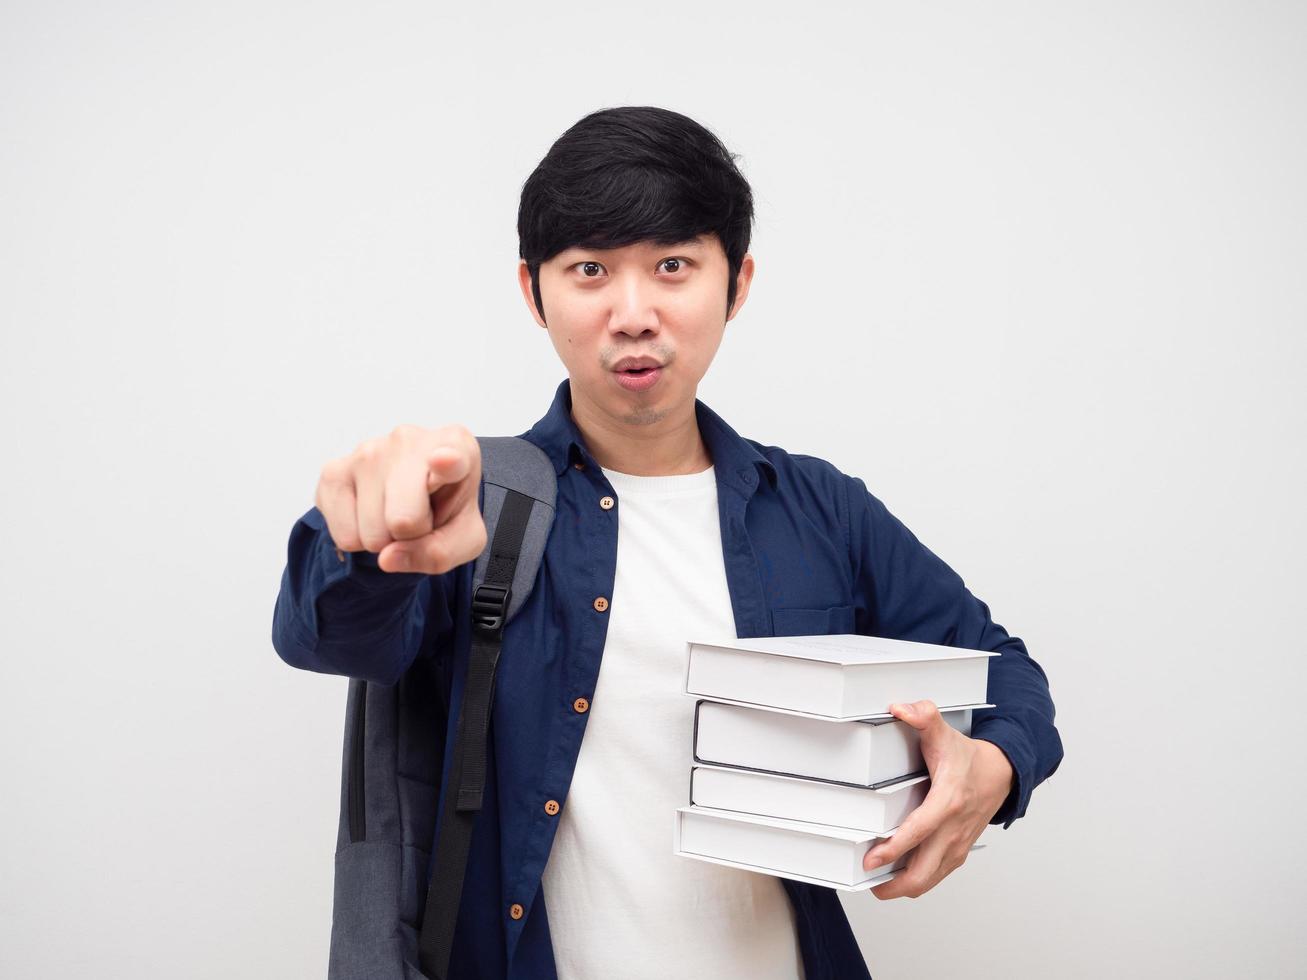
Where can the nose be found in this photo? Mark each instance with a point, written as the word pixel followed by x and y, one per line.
pixel 635 306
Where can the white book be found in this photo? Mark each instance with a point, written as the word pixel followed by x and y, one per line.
pixel 815 853
pixel 872 811
pixel 861 753
pixel 842 676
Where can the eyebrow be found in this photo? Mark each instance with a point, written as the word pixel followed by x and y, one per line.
pixel 687 243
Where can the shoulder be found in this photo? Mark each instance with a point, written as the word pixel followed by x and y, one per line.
pixel 805 473
pixel 816 491
pixel 824 492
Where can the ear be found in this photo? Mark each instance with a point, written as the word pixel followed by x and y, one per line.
pixel 524 283
pixel 742 281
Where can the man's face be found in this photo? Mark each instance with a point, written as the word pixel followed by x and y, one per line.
pixel 662 303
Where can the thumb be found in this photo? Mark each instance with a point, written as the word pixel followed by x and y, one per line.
pixel 921 715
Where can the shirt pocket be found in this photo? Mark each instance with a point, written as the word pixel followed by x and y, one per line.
pixel 812 622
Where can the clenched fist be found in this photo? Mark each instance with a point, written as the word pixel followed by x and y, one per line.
pixel 410 497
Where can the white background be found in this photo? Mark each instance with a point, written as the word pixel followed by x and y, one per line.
pixel 1035 271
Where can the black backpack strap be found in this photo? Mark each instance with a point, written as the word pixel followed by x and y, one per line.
pixel 467 773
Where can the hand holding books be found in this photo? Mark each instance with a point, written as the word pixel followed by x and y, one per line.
pixel 802 772
pixel 969 780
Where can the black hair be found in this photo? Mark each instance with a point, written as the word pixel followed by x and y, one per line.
pixel 630 174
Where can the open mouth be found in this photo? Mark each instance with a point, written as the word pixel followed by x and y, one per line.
pixel 639 379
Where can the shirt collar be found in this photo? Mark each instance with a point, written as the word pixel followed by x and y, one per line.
pixel 733 456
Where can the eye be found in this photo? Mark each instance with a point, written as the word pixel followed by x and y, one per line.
pixel 676 263
pixel 586 268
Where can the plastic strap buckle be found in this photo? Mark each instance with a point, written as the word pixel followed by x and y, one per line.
pixel 490 607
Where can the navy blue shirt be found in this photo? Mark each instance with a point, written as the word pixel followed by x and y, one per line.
pixel 807 549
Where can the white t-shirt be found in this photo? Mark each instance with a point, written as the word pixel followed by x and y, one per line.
pixel 620 904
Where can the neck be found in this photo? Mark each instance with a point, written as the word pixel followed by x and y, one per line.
pixel 646 442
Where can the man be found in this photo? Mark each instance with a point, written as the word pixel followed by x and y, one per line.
pixel 634 234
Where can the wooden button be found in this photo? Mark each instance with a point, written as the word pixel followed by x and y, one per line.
pixel 581 706
pixel 601 604
pixel 606 503
pixel 578 465
pixel 516 911
pixel 551 807
pixel 340 554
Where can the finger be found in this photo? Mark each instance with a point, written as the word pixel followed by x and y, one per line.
pixel 922 872
pixel 446 465
pixel 337 504
pixel 451 500
pixel 918 824
pixel 934 735
pixel 921 715
pixel 370 492
pixel 406 499
pixel 450 545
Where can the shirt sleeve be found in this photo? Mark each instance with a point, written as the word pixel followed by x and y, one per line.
pixel 340 613
pixel 904 591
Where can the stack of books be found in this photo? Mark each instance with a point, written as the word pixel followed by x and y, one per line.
pixel 799 768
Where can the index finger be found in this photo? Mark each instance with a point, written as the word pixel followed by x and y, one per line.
pixel 919 824
pixel 445 465
pixel 406 499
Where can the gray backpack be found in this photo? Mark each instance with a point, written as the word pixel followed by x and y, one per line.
pixel 382 927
